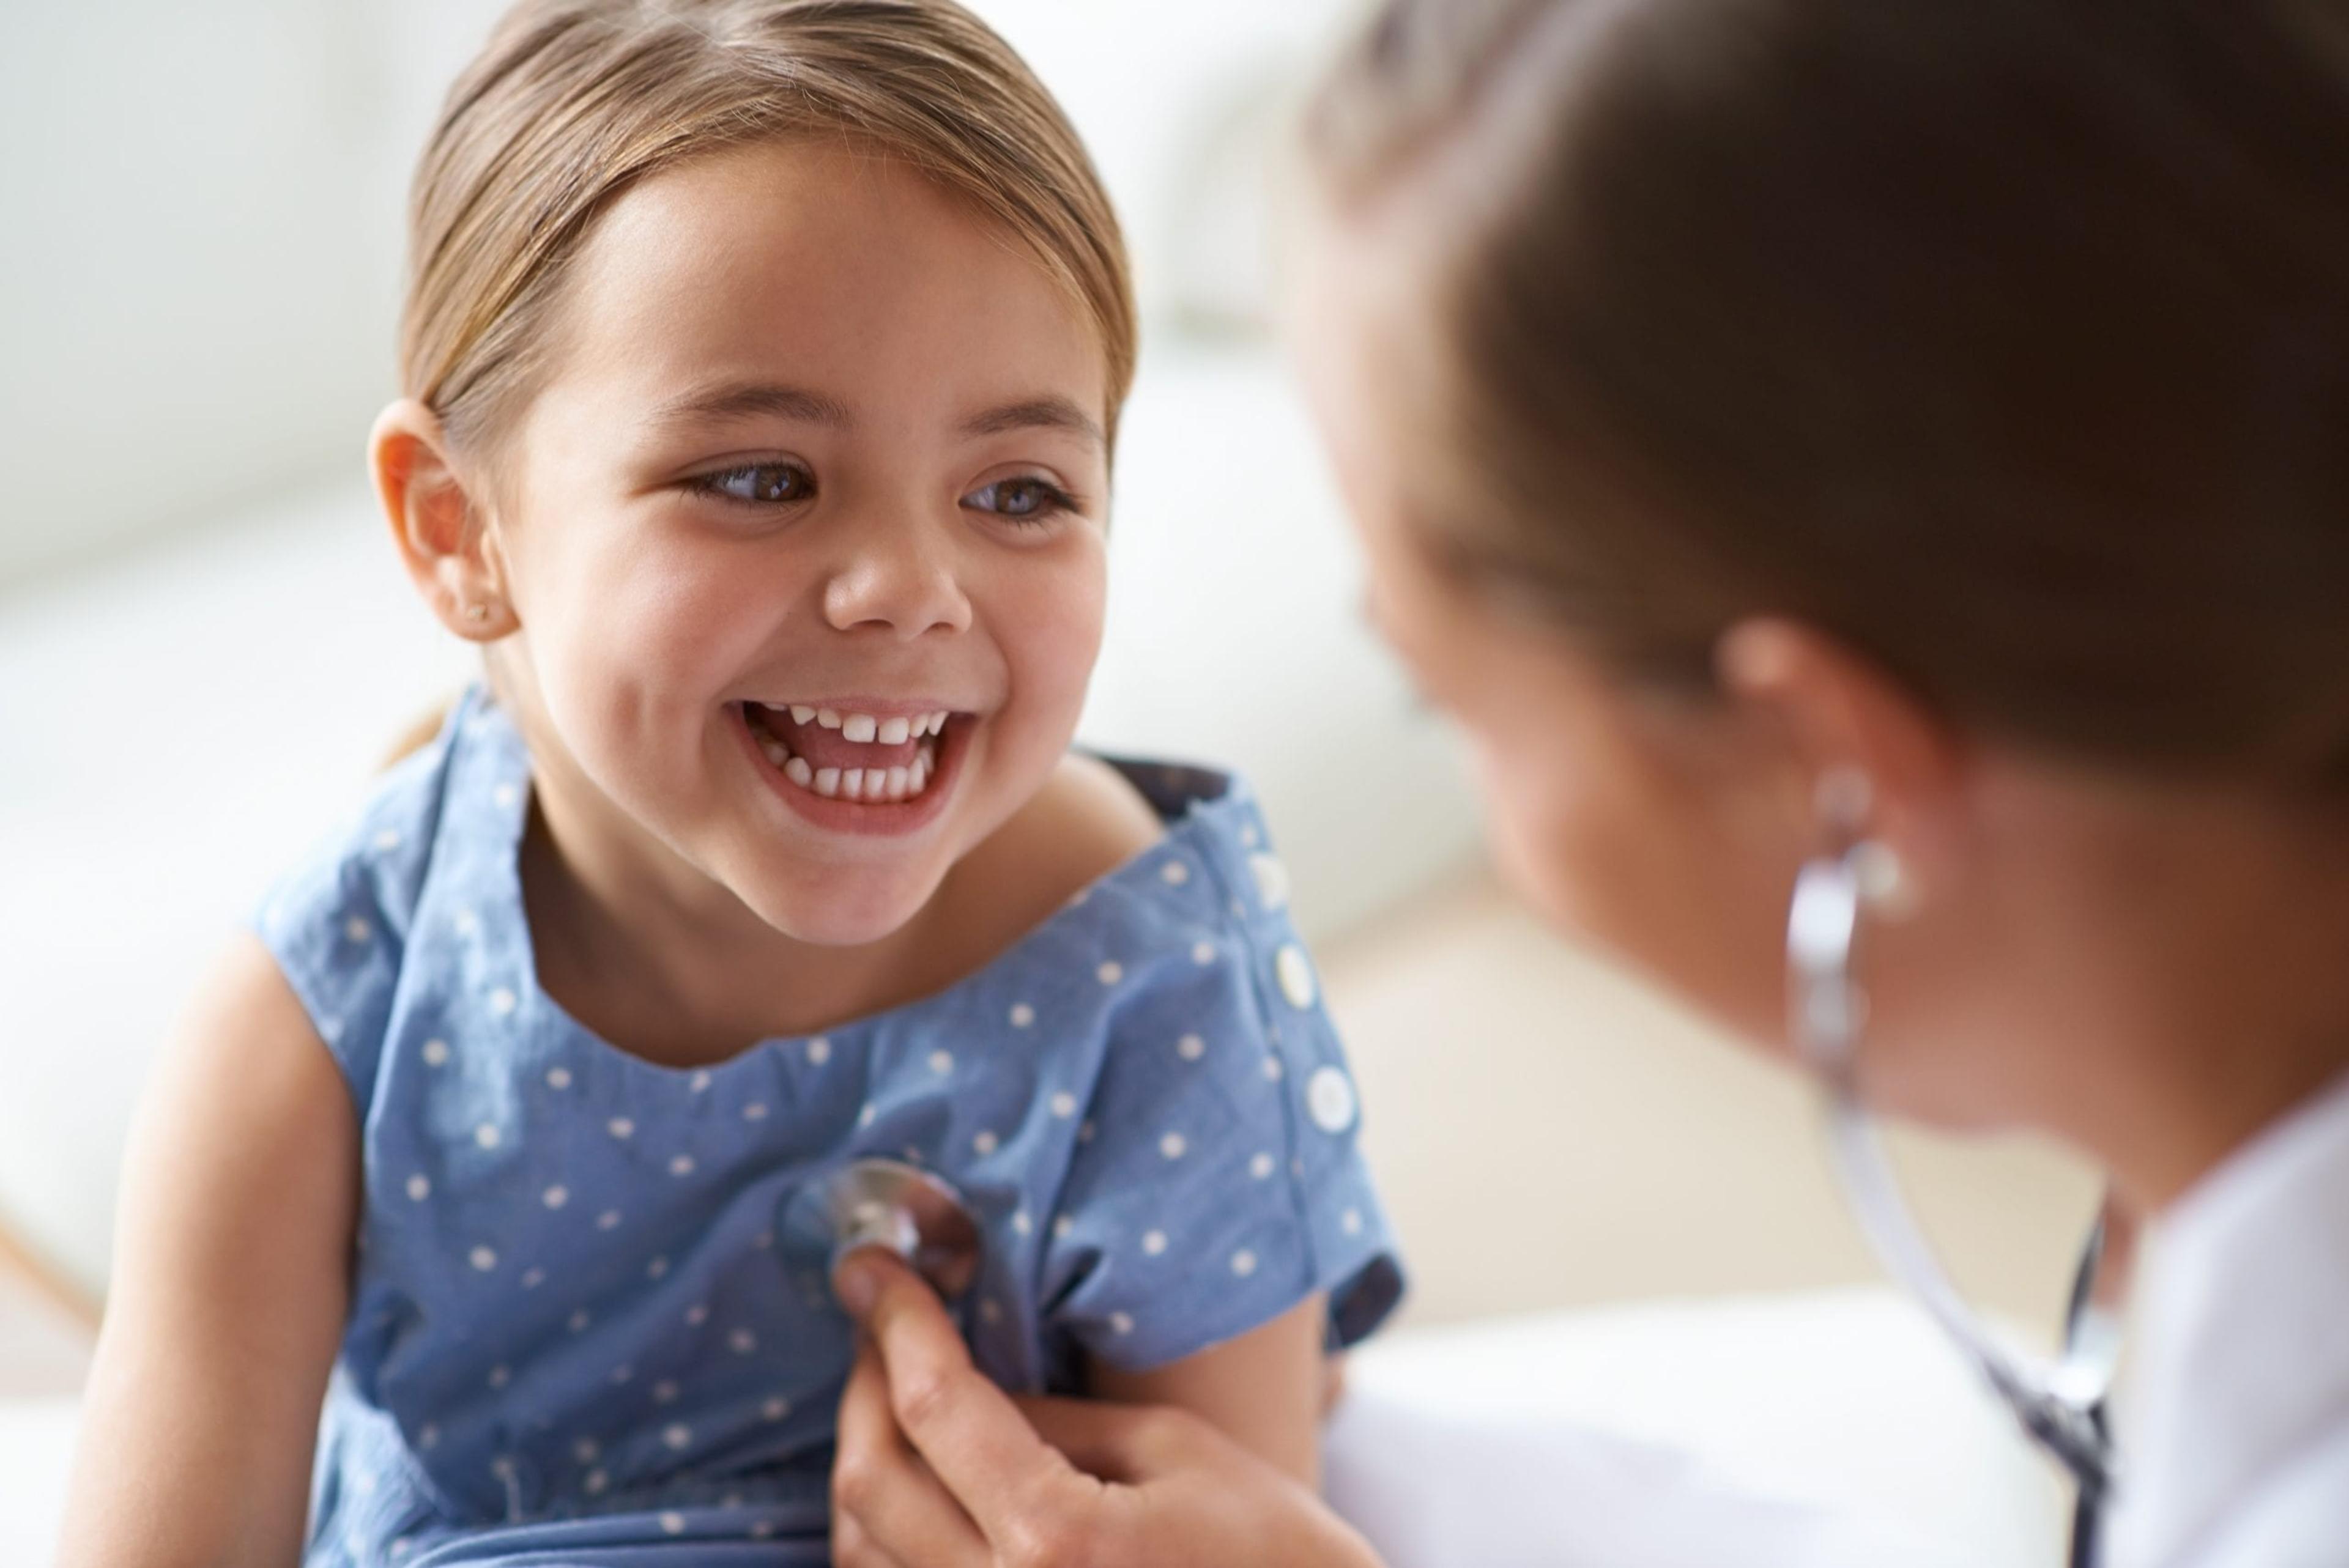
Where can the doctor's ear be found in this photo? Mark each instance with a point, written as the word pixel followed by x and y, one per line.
pixel 1858 752
pixel 439 525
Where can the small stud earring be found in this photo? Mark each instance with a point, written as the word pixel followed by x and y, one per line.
pixel 477 612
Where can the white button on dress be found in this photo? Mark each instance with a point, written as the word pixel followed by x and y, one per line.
pixel 1329 1096
pixel 1296 972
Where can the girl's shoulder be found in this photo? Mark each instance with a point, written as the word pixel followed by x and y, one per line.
pixel 1086 822
pixel 1099 824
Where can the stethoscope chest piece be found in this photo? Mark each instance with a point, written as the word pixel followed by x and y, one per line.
pixel 883 1203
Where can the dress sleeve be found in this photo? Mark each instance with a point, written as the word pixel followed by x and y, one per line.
pixel 1216 1182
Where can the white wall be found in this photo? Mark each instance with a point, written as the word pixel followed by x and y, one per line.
pixel 189 307
pixel 200 224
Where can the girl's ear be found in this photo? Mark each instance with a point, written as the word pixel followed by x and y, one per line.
pixel 440 529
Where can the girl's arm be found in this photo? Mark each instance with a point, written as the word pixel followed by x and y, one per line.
pixel 1265 1389
pixel 231 1285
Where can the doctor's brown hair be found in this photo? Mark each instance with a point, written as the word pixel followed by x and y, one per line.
pixel 2007 340
pixel 573 101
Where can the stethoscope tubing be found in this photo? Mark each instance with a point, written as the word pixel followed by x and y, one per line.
pixel 2059 1405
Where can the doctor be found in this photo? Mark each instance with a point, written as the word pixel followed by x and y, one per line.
pixel 1781 426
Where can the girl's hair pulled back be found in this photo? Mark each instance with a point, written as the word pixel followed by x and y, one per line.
pixel 573 101
pixel 2007 340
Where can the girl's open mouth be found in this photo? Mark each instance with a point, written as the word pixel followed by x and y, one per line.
pixel 890 765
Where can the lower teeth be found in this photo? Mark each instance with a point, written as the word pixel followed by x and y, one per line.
pixel 885 784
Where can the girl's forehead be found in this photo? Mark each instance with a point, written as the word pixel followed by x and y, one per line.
pixel 824 263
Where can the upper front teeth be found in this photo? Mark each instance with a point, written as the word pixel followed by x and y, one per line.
pixel 865 726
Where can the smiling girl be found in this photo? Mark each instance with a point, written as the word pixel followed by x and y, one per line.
pixel 763 364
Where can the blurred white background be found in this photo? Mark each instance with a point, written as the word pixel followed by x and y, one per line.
pixel 205 205
pixel 205 643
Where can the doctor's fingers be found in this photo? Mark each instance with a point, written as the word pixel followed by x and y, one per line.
pixel 889 1510
pixel 852 1548
pixel 1176 1488
pixel 1131 1445
pixel 972 1436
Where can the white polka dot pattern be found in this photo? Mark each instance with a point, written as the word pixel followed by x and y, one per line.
pixel 1139 1097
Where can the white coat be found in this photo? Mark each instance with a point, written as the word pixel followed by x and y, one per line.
pixel 2235 1430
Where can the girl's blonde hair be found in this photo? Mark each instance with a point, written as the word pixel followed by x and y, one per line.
pixel 574 101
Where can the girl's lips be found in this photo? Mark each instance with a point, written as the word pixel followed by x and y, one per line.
pixel 921 774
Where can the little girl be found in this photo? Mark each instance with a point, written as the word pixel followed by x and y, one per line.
pixel 763 361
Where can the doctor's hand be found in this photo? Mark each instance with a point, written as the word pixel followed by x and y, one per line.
pixel 939 1468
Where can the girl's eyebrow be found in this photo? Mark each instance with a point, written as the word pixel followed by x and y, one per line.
pixel 749 400
pixel 745 399
pixel 1046 413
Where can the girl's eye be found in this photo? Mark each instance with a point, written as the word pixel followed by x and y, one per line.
pixel 759 483
pixel 1027 500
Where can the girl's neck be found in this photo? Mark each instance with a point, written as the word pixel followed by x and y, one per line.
pixel 674 969
pixel 686 975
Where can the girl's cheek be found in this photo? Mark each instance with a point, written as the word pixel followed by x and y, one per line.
pixel 1055 619
pixel 676 611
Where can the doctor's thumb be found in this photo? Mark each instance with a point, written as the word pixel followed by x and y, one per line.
pixel 865 1275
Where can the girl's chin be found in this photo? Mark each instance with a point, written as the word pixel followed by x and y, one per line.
pixel 850 910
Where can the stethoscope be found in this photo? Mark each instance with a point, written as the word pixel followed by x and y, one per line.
pixel 2060 1404
pixel 887 1203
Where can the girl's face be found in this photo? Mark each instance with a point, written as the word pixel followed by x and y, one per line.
pixel 805 534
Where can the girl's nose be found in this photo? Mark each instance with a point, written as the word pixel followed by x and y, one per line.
pixel 898 582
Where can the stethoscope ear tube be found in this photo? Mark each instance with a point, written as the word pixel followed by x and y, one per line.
pixel 2060 1405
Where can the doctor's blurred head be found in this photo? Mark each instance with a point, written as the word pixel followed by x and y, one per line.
pixel 1735 395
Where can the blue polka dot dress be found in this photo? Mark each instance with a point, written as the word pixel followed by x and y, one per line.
pixel 572 1337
